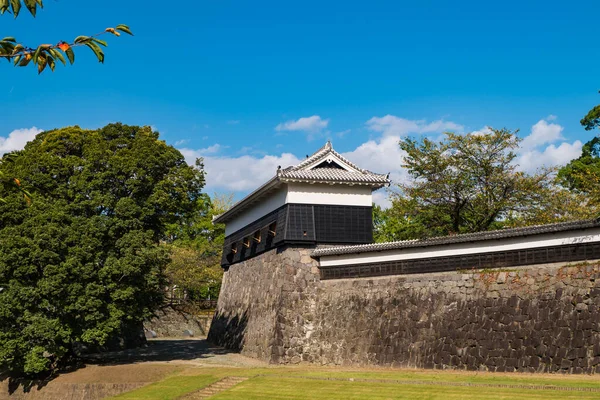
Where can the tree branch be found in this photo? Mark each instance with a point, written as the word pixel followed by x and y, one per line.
pixel 45 55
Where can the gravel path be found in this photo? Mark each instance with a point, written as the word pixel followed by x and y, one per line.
pixel 186 351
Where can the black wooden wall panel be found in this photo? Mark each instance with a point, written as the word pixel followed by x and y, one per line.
pixel 303 223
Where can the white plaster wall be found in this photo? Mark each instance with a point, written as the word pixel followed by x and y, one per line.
pixel 488 246
pixel 257 210
pixel 299 193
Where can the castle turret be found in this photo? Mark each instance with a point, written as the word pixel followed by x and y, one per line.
pixel 325 199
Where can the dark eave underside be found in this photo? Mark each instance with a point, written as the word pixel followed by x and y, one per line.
pixel 247 201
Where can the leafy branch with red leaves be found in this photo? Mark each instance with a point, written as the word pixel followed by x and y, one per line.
pixel 47 55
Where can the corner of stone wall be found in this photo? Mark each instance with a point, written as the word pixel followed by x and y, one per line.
pixel 258 308
pixel 296 321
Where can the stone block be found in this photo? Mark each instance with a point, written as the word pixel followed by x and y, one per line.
pixel 150 334
pixel 501 278
pixel 565 364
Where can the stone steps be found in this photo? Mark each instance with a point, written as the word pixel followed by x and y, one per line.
pixel 217 387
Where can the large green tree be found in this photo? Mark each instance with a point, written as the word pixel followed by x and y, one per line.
pixel 47 55
pixel 468 183
pixel 82 264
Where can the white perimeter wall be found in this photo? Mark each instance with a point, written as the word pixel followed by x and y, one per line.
pixel 488 246
pixel 299 193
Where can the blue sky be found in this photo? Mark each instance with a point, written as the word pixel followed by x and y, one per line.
pixel 251 85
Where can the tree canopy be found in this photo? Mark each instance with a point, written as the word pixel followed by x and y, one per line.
pixel 470 183
pixel 592 119
pixel 82 264
pixel 47 55
pixel 582 175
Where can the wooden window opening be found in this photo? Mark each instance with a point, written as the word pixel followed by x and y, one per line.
pixel 273 229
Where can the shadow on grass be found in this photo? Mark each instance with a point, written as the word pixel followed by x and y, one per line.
pixel 154 350
pixel 13 384
pixel 228 332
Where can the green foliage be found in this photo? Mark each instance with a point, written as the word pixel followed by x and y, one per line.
pixel 582 177
pixel 194 274
pixel 583 174
pixel 592 119
pixel 46 55
pixel 10 183
pixel 397 222
pixel 82 264
pixel 196 246
pixel 14 6
pixel 469 183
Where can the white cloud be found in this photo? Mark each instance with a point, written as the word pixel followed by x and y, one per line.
pixel 239 174
pixel 247 172
pixel 311 124
pixel 541 148
pixel 391 125
pixel 233 122
pixel 17 139
pixel 382 198
pixel 382 154
pixel 542 133
pixel 551 156
pixel 191 155
pixel 486 130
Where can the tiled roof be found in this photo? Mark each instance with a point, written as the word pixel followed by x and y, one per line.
pixel 337 175
pixel 468 237
pixel 321 154
pixel 305 171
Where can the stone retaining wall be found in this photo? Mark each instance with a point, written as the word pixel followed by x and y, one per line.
pixel 543 318
pixel 177 322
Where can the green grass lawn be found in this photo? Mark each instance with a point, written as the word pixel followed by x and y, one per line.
pixel 299 383
pixel 170 388
pixel 295 388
